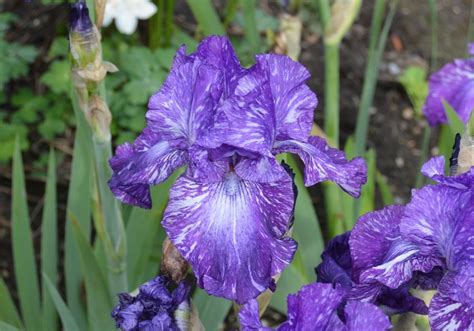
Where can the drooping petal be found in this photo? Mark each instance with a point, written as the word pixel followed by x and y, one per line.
pixel 365 316
pixel 325 163
pixel 231 233
pixel 294 102
pixel 446 314
pixel 147 162
pixel 434 169
pixel 433 218
pixel 453 83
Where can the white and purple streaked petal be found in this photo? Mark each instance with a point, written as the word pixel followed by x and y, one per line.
pixel 325 163
pixel 147 162
pixel 185 105
pixel 314 307
pixel 453 83
pixel 203 168
pixel 433 217
pixel 218 52
pixel 365 316
pixel 231 233
pixel 390 259
pixel 449 315
pixel 294 102
pixel 434 169
pixel 247 119
pixel 458 286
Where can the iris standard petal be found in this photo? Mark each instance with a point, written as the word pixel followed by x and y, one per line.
pixel 231 233
pixel 294 102
pixel 325 163
pixel 446 314
pixel 453 83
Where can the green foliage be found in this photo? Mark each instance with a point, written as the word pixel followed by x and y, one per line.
pixel 413 80
pixel 15 56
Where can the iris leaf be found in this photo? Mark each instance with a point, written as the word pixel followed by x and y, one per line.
pixel 8 313
pixel 23 251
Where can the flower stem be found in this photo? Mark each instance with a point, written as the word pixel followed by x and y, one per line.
pixel 331 93
pixel 155 26
pixel 424 154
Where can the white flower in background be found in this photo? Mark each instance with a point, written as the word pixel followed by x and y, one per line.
pixel 126 13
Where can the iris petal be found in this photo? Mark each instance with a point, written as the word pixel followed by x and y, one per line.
pixel 447 314
pixel 231 233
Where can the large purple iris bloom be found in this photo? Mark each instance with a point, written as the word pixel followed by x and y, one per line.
pixel 229 213
pixel 454 84
pixel 434 231
pixel 315 307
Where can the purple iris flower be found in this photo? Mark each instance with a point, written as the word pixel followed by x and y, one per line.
pixel 229 213
pixel 454 84
pixel 435 230
pixel 315 307
pixel 153 308
pixel 337 268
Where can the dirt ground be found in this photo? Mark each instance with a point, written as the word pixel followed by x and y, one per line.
pixel 393 132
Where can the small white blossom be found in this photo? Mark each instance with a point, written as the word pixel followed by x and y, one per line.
pixel 126 13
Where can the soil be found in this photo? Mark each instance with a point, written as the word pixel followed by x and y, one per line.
pixel 394 132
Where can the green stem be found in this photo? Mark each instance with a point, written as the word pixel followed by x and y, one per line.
pixel 250 26
pixel 155 26
pixel 434 34
pixel 331 93
pixel 169 7
pixel 324 12
pixel 424 154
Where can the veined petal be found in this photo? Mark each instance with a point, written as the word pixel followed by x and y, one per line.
pixel 365 316
pixel 294 102
pixel 249 317
pixel 325 163
pixel 147 162
pixel 260 169
pixel 389 259
pixel 433 218
pixel 453 83
pixel 185 105
pixel 313 307
pixel 217 51
pixel 434 169
pixel 231 233
pixel 448 315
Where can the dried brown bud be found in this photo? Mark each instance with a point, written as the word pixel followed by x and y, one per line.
pixel 173 264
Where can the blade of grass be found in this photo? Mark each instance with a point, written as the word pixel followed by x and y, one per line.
pixel 23 251
pixel 142 230
pixel 78 204
pixel 376 48
pixel 8 311
pixel 206 16
pixel 49 244
pixel 250 25
pixel 212 310
pixel 97 290
pixel 7 327
pixel 384 188
pixel 67 319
